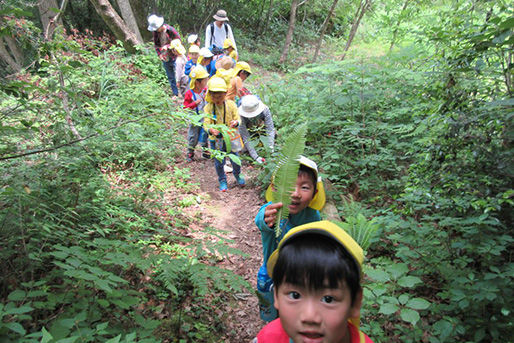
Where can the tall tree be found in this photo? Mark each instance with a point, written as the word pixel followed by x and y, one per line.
pixel 48 15
pixel 364 5
pixel 141 13
pixel 116 24
pixel 290 30
pixel 129 18
pixel 398 22
pixel 7 57
pixel 324 29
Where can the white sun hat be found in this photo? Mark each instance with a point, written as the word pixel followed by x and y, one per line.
pixel 251 106
pixel 206 53
pixel 154 22
pixel 192 38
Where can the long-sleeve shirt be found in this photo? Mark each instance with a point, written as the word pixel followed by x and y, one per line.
pixel 162 40
pixel 219 35
pixel 189 65
pixel 190 98
pixel 224 113
pixel 180 65
pixel 246 123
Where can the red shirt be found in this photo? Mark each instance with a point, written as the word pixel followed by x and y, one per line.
pixel 274 333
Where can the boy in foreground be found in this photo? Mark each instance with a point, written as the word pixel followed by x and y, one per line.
pixel 316 272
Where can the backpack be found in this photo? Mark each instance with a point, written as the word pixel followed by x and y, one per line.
pixel 212 31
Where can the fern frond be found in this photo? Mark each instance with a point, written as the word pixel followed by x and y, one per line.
pixel 286 172
pixel 360 229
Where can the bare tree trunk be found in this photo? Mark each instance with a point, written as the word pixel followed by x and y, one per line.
pixel 7 58
pixel 363 7
pixel 47 16
pixel 15 50
pixel 324 29
pixel 395 32
pixel 289 36
pixel 268 16
pixel 116 24
pixel 129 18
pixel 141 14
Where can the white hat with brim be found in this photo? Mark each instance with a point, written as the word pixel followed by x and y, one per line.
pixel 251 106
pixel 192 38
pixel 155 22
pixel 206 53
pixel 221 15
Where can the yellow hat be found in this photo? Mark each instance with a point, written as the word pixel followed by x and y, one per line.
pixel 177 45
pixel 215 84
pixel 198 72
pixel 325 228
pixel 225 74
pixel 242 66
pixel 318 201
pixel 228 43
pixel 194 49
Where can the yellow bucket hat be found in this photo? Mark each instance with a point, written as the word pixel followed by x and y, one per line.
pixel 198 72
pixel 177 45
pixel 228 43
pixel 318 201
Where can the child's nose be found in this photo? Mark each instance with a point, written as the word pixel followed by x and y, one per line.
pixel 310 313
pixel 296 193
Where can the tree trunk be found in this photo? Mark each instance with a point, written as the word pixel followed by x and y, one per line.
pixel 7 58
pixel 47 15
pixel 15 50
pixel 268 16
pixel 324 29
pixel 290 30
pixel 363 7
pixel 129 18
pixel 395 32
pixel 141 14
pixel 116 24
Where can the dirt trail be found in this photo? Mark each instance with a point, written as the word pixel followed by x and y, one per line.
pixel 234 211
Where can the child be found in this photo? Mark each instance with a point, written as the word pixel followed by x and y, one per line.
pixel 221 111
pixel 206 60
pixel 193 39
pixel 316 271
pixel 195 99
pixel 241 73
pixel 194 52
pixel 306 201
pixel 230 49
pixel 180 65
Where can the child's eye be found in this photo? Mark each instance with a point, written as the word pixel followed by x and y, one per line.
pixel 328 299
pixel 294 295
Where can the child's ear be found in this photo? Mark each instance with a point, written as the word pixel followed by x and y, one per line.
pixel 355 310
pixel 275 298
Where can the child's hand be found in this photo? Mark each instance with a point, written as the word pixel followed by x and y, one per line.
pixel 214 132
pixel 270 214
pixel 198 101
pixel 234 123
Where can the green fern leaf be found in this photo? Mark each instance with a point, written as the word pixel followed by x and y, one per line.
pixel 360 229
pixel 286 172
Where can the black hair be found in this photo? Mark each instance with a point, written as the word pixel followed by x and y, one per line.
pixel 315 261
pixel 310 173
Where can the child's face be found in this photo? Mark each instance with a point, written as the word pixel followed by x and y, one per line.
pixel 316 316
pixel 193 56
pixel 206 61
pixel 201 83
pixel 303 194
pixel 218 97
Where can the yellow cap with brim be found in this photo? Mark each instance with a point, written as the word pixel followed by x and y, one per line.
pixel 325 228
pixel 328 229
pixel 198 72
pixel 318 201
pixel 215 84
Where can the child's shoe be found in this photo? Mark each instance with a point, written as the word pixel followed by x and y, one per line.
pixel 223 186
pixel 206 154
pixel 240 180
pixel 190 157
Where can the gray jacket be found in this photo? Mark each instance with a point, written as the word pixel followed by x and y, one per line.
pixel 248 122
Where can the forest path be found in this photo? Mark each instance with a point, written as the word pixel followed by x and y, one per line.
pixel 233 212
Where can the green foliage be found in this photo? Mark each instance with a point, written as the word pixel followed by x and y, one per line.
pixel 89 252
pixel 286 172
pixel 360 229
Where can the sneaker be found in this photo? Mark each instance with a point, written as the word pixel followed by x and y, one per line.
pixel 206 155
pixel 223 186
pixel 240 180
pixel 190 157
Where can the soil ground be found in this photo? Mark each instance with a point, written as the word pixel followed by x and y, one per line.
pixel 234 211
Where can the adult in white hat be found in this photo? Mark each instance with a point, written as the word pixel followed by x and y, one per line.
pixel 217 32
pixel 163 34
pixel 253 113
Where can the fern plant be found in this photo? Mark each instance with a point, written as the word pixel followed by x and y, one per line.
pixel 286 172
pixel 361 229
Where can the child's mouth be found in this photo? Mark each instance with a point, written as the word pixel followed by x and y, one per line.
pixel 311 337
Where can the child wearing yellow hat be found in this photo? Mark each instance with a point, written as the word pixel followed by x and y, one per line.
pixel 317 272
pixel 237 89
pixel 193 54
pixel 307 200
pixel 230 49
pixel 180 64
pixel 219 111
pixel 194 99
